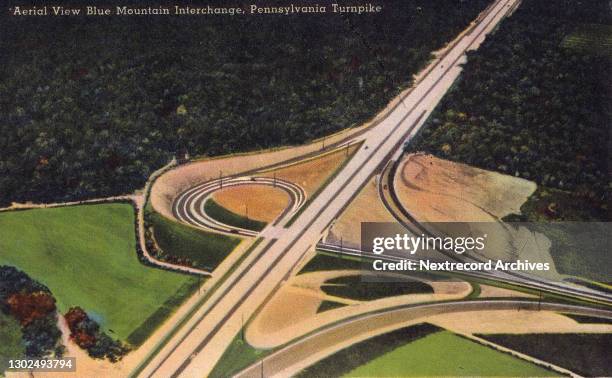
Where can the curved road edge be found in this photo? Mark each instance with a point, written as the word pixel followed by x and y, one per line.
pixel 387 194
pixel 189 205
pixel 306 351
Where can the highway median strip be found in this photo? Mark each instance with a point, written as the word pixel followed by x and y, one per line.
pixel 193 310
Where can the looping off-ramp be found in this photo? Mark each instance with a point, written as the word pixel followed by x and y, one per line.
pixel 189 205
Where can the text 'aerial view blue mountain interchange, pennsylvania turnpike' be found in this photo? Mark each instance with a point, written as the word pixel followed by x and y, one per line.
pixel 305 188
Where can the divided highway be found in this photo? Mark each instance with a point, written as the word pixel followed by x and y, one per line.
pixel 194 350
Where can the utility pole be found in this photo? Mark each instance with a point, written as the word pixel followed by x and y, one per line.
pixel 242 328
pixel 540 301
pixel 262 371
pixel 347 147
pixel 323 143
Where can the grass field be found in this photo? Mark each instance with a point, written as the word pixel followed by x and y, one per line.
pixel 238 355
pixel 327 261
pixel 229 218
pixel 86 256
pixel 140 334
pixel 329 305
pixel 207 250
pixel 591 38
pixel 579 249
pixel 11 345
pixel 585 319
pixel 357 288
pixel 585 354
pixel 361 353
pixel 446 354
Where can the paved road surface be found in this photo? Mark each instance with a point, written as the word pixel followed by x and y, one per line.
pixel 386 191
pixel 307 351
pixel 189 206
pixel 196 347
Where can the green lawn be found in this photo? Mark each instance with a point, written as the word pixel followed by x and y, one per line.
pixel 585 354
pixel 362 288
pixel 323 261
pixel 446 354
pixel 348 359
pixel 205 249
pixel 140 334
pixel 11 345
pixel 329 305
pixel 238 355
pixel 585 319
pixel 230 218
pixel 86 256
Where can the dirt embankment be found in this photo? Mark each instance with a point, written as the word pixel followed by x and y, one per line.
pixel 473 201
pixel 366 207
pixel 292 311
pixel 513 321
pixel 312 173
pixel 487 291
pixel 265 203
pixel 262 203
pixel 438 190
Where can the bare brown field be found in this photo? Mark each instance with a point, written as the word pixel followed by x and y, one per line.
pixel 262 203
pixel 366 207
pixel 487 291
pixel 513 321
pixel 265 203
pixel 437 190
pixel 292 311
pixel 311 173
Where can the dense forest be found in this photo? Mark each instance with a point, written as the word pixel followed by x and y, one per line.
pixel 529 106
pixel 91 106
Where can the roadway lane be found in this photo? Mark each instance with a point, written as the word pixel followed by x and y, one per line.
pixel 195 350
pixel 386 191
pixel 189 205
pixel 304 352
